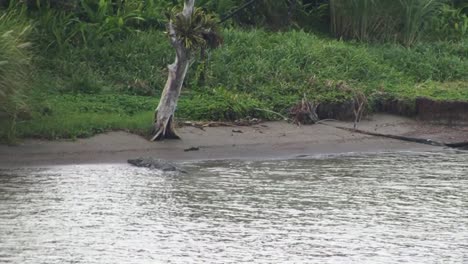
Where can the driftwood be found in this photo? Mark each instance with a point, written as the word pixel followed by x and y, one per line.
pixel 403 138
pixel 458 145
pixel 192 149
pixel 273 112
pixel 202 125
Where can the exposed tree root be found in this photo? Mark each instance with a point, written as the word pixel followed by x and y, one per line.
pixel 164 131
pixel 304 113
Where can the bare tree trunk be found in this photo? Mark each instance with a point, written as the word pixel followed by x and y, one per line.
pixel 164 114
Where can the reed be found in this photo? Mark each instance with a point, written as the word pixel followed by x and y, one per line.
pixel 14 68
pixel 382 20
pixel 415 14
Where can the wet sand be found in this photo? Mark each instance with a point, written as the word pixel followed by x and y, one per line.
pixel 270 140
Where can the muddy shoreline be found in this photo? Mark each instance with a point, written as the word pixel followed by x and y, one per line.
pixel 270 140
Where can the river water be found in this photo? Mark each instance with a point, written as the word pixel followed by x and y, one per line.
pixel 380 208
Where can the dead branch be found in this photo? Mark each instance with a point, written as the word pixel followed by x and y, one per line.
pixel 360 102
pixel 273 112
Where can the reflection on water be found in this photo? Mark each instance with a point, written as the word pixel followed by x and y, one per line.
pixel 386 208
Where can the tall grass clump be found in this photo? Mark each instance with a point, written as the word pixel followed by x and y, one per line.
pixel 14 68
pixel 404 21
pixel 416 18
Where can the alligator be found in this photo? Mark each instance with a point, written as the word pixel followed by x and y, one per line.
pixel 158 164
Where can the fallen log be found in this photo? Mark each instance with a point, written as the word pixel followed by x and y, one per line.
pixel 403 138
pixel 202 124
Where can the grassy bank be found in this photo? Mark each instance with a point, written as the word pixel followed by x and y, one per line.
pixel 82 91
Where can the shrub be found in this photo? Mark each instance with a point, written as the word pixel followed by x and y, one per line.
pixel 451 23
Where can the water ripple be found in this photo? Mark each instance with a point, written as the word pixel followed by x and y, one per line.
pixel 383 208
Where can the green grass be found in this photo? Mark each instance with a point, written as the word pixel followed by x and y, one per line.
pixel 256 62
pixel 74 116
pixel 82 91
pixel 82 115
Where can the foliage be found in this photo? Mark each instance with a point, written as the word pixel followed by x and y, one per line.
pixel 91 23
pixel 265 65
pixel 387 20
pixel 273 14
pixel 14 68
pixel 254 70
pixel 135 65
pixel 200 31
pixel 82 115
pixel 96 63
pixel 104 21
pixel 451 23
pixel 283 64
pixel 416 14
pixel 72 116
pixel 220 104
pixel 152 12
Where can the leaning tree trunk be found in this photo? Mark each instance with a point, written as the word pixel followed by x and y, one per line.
pixel 164 114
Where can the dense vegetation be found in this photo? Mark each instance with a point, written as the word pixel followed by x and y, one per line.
pixel 75 68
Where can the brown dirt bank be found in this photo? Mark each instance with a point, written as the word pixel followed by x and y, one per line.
pixel 264 141
pixel 424 109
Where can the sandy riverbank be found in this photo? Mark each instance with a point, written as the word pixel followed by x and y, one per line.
pixel 264 141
